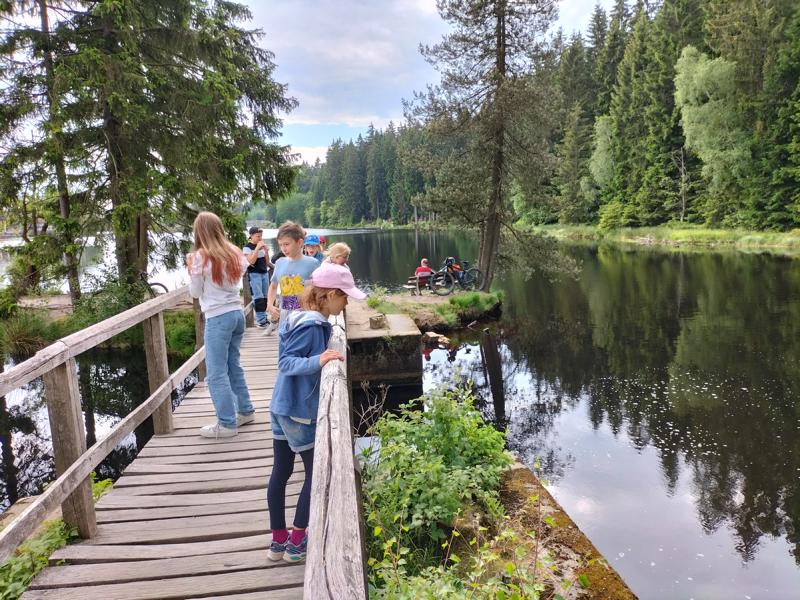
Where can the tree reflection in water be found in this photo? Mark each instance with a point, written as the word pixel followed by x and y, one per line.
pixel 695 355
pixel 112 383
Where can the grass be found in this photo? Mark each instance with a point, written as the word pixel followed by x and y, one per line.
pixel 32 556
pixel 681 234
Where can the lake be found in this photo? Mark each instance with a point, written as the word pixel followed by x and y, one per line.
pixel 657 395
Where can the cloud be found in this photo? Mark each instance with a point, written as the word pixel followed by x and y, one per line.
pixel 310 154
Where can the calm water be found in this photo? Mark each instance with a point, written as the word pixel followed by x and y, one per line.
pixel 660 393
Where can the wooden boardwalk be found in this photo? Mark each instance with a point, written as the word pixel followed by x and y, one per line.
pixel 188 518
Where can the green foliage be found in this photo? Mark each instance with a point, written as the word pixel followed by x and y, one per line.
pixel 705 91
pixel 24 333
pixel 180 333
pixel 31 557
pixel 377 296
pixel 431 464
pixel 100 487
pixel 469 306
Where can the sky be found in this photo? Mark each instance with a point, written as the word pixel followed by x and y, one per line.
pixel 350 63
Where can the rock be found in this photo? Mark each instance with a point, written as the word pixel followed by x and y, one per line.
pixel 377 322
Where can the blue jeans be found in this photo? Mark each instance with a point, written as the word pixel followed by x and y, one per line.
pixel 259 284
pixel 224 374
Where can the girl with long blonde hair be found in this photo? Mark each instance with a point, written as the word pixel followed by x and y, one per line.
pixel 215 270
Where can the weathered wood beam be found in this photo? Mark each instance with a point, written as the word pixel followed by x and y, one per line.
pixel 335 566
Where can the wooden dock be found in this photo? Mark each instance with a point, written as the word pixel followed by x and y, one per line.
pixel 188 518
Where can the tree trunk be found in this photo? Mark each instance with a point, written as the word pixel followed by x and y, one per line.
pixel 490 231
pixel 6 441
pixel 68 227
pixel 130 225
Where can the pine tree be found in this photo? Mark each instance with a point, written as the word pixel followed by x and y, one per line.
pixel 573 169
pixel 484 62
pixel 608 60
pixel 153 161
pixel 574 73
pixel 628 126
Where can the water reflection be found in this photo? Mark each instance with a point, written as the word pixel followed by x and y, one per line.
pixel 686 360
pixel 112 383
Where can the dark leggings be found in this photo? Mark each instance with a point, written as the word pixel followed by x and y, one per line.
pixel 282 469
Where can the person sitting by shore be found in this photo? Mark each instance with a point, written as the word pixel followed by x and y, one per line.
pixel 313 248
pixel 338 254
pixel 423 271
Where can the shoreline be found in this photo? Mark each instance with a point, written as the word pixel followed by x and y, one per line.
pixel 684 237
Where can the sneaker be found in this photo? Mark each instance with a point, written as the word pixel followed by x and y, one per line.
pixel 244 419
pixel 276 550
pixel 294 554
pixel 271 328
pixel 217 431
pixel 261 324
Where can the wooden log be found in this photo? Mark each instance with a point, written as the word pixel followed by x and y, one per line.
pixel 69 443
pixel 249 313
pixel 335 566
pixel 27 522
pixel 199 336
pixel 50 357
pixel 155 349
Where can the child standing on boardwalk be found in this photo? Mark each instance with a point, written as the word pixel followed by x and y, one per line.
pixel 293 409
pixel 291 272
pixel 215 270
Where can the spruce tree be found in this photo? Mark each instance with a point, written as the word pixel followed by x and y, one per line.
pixel 609 58
pixel 573 169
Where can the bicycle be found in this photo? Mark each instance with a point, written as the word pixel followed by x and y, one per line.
pixel 452 272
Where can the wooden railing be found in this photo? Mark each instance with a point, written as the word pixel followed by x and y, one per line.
pixel 74 463
pixel 335 565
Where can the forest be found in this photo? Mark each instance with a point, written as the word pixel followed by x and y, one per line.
pixel 679 111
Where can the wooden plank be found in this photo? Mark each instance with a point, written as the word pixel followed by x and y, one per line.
pixel 285 594
pixel 199 487
pixel 194 527
pixel 155 350
pixel 199 335
pixel 122 515
pixel 123 572
pixel 231 455
pixel 255 580
pixel 244 440
pixel 134 479
pixel 169 535
pixel 335 566
pixel 152 467
pixel 77 554
pixel 195 423
pixel 114 501
pixel 69 443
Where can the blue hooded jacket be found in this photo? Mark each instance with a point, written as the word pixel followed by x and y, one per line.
pixel 304 338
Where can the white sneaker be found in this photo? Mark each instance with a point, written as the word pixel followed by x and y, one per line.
pixel 271 328
pixel 244 419
pixel 217 431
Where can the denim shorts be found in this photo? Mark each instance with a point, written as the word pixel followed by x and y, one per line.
pixel 299 435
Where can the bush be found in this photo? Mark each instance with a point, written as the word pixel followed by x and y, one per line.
pixel 31 557
pixel 432 463
pixel 179 329
pixel 23 334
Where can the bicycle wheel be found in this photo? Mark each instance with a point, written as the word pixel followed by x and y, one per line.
pixel 442 283
pixel 156 289
pixel 473 279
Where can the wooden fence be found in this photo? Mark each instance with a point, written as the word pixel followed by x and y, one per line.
pixel 74 463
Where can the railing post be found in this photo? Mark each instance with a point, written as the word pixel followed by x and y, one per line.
pixel 69 442
pixel 199 337
pixel 155 349
pixel 249 317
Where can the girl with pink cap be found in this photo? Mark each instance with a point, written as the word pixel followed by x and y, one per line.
pixel 302 352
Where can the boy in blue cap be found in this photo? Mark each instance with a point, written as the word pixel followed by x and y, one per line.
pixel 313 247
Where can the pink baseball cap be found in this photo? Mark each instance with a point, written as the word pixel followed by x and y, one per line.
pixel 331 275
